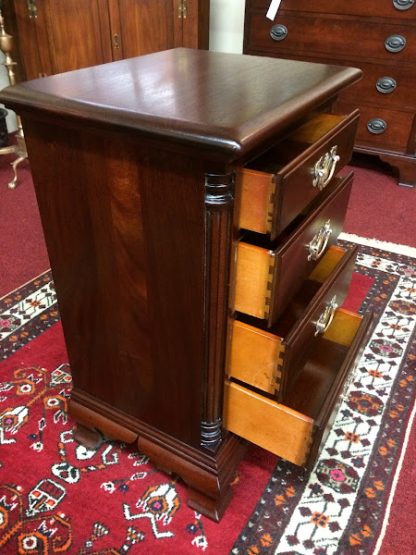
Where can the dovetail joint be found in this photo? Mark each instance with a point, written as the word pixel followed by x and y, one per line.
pixel 269 284
pixel 271 207
pixel 277 372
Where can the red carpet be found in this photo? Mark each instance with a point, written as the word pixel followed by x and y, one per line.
pixel 378 208
pixel 61 498
pixel 400 534
pixel 60 495
pixel 58 499
pixel 22 246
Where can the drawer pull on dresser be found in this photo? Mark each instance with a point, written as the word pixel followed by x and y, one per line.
pixel 377 126
pixel 386 85
pixel 395 43
pixel 325 168
pixel 403 5
pixel 279 32
pixel 325 319
pixel 317 246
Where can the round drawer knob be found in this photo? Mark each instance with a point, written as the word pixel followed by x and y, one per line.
pixel 395 43
pixel 377 126
pixel 279 32
pixel 403 5
pixel 386 85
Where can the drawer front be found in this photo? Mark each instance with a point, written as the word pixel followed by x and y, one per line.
pixel 265 359
pixel 396 81
pixel 386 129
pixel 281 428
pixel 295 173
pixel 265 280
pixel 338 392
pixel 400 9
pixel 318 317
pixel 297 257
pixel 390 86
pixel 331 36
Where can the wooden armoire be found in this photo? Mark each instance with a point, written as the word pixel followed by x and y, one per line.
pixel 56 36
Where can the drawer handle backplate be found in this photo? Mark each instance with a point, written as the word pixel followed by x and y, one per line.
pixel 32 9
pixel 325 319
pixel 319 242
pixel 386 85
pixel 279 32
pixel 116 40
pixel 377 126
pixel 324 168
pixel 395 43
pixel 403 5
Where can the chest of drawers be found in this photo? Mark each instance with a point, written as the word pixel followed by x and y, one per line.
pixel 191 203
pixel 379 37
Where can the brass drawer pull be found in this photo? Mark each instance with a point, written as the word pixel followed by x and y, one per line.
pixel 32 9
pixel 182 9
pixel 395 43
pixel 377 126
pixel 279 32
pixel 403 5
pixel 325 319
pixel 318 244
pixel 386 85
pixel 324 168
pixel 116 40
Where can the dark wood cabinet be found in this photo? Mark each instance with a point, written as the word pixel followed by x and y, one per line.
pixel 56 36
pixel 377 36
pixel 191 224
pixel 60 36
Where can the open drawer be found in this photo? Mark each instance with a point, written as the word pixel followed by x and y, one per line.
pixel 296 429
pixel 265 358
pixel 278 185
pixel 267 279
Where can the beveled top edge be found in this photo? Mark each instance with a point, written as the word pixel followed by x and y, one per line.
pixel 227 102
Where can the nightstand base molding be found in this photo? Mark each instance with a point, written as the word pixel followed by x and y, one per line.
pixel 207 475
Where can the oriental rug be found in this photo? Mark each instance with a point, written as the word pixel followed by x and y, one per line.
pixel 58 497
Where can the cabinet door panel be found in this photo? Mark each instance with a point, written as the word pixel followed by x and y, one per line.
pixel 74 30
pixel 144 26
pixel 33 40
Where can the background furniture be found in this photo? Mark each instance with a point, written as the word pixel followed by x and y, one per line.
pixel 58 36
pixel 191 225
pixel 19 146
pixel 378 36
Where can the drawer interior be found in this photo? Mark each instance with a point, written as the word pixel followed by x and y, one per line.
pixel 314 129
pixel 277 185
pixel 288 429
pixel 320 370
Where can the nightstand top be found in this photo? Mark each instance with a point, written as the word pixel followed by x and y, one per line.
pixel 229 103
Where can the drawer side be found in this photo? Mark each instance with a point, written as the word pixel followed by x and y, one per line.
pixel 255 357
pixel 274 427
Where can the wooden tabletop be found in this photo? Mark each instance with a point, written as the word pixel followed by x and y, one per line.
pixel 227 102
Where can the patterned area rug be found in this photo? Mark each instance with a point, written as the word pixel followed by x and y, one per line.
pixel 58 497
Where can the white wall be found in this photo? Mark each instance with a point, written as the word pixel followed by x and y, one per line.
pixel 226 25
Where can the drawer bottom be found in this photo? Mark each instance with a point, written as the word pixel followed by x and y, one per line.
pixel 294 430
